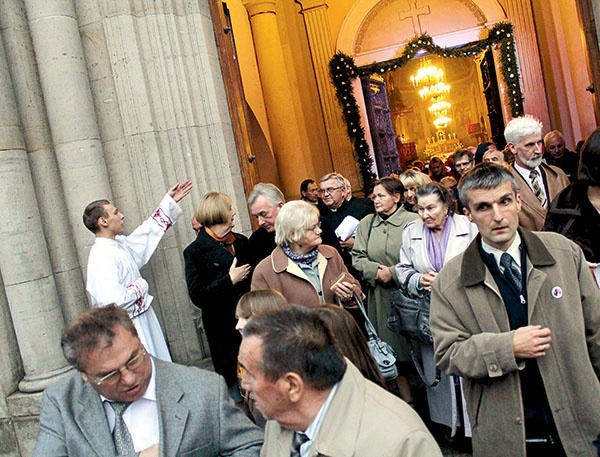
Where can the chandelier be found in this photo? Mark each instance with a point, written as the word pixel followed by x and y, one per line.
pixel 439 108
pixel 427 75
pixel 430 80
pixel 434 90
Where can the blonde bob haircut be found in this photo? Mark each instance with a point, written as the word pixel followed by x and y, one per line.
pixel 213 209
pixel 293 221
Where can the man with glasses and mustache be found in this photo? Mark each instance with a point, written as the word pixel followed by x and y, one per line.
pixel 125 402
pixel 538 183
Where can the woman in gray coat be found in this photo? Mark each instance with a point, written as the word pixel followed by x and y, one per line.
pixel 374 255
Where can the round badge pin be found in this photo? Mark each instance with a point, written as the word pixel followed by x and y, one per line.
pixel 557 292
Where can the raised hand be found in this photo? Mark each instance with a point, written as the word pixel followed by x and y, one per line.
pixel 180 190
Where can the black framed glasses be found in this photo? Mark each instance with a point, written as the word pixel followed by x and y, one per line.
pixel 112 378
pixel 330 190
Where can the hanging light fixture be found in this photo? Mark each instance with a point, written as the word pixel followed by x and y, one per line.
pixel 433 89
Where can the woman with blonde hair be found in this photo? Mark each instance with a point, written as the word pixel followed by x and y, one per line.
pixel 216 272
pixel 305 271
pixel 411 180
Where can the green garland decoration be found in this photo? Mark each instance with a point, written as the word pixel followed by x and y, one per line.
pixel 343 70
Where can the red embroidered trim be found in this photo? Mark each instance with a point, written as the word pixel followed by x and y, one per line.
pixel 163 221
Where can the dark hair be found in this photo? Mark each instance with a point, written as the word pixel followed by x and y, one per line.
pixel 351 341
pixel 436 159
pixel 481 150
pixel 589 163
pixel 304 184
pixel 92 327
pixel 463 152
pixel 297 340
pixel 391 184
pixel 93 212
pixel 437 189
pixel 484 176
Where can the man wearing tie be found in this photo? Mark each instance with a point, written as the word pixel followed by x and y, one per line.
pixel 517 315
pixel 538 182
pixel 317 402
pixel 123 402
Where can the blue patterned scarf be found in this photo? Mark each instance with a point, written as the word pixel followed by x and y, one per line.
pixel 306 259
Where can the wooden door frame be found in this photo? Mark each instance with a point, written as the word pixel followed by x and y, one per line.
pixel 234 92
pixel 590 41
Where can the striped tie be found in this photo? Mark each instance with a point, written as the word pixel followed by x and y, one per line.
pixel 511 271
pixel 537 190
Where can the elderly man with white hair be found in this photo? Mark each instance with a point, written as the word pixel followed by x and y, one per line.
pixel 538 183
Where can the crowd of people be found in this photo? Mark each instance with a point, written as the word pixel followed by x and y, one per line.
pixel 502 241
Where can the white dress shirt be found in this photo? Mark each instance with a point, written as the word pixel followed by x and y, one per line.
pixel 313 429
pixel 141 417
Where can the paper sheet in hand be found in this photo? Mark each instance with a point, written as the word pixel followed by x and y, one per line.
pixel 347 228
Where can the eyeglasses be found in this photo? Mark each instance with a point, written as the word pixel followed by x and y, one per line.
pixel 330 190
pixel 114 377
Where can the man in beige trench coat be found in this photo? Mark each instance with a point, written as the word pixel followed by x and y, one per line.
pixel 523 331
pixel 317 403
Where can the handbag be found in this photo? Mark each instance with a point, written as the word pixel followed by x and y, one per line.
pixel 382 352
pixel 409 316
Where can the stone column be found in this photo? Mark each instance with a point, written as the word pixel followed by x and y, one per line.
pixel 24 260
pixel 520 14
pixel 44 169
pixel 70 109
pixel 287 142
pixel 322 49
pixel 163 116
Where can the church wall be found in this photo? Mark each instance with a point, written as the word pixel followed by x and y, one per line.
pixel 244 44
pixel 297 50
pixel 116 99
pixel 565 70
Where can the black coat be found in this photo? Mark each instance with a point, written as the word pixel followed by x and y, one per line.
pixel 571 214
pixel 207 264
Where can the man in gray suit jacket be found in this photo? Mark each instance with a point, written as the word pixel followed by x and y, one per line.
pixel 170 410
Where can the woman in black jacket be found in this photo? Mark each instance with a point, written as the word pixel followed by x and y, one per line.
pixel 216 272
pixel 575 212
